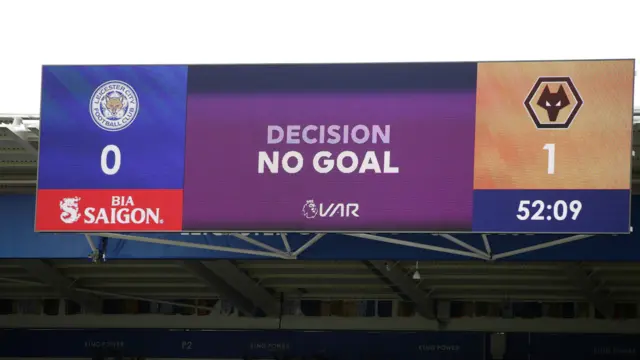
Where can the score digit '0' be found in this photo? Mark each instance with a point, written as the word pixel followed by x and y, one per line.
pixel 117 160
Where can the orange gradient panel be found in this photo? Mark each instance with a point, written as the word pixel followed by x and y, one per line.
pixel 593 153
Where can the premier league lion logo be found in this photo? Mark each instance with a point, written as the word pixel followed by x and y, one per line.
pixel 310 209
pixel 114 106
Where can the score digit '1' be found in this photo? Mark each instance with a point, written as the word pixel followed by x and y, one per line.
pixel 551 158
pixel 117 160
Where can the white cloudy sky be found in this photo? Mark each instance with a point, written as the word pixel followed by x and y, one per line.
pixel 33 33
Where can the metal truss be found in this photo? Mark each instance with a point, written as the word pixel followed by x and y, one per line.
pixel 224 278
pixel 47 274
pixel 462 248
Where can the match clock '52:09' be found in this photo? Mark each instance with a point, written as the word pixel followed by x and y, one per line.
pixel 558 211
pixel 499 147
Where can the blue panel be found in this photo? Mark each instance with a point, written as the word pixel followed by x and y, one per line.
pixel 551 211
pixel 237 344
pixel 517 346
pixel 17 240
pixel 583 346
pixel 151 146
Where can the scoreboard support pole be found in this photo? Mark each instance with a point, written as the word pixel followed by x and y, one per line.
pixel 194 245
pixel 291 254
pixel 308 244
pixel 475 254
pixel 544 245
pixel 259 244
pixel 487 245
pixel 285 242
pixel 92 245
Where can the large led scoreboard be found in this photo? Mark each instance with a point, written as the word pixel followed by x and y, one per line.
pixel 495 147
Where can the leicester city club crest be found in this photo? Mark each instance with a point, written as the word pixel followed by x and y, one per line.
pixel 114 105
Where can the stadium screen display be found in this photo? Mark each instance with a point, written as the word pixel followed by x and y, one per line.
pixel 495 147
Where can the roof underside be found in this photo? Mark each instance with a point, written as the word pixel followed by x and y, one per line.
pixel 324 280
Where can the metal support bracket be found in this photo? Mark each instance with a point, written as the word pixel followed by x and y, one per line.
pixel 46 273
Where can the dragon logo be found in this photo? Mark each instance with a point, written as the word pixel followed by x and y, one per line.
pixel 553 102
pixel 310 209
pixel 70 210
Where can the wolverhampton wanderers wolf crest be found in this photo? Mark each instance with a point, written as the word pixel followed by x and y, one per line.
pixel 553 102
